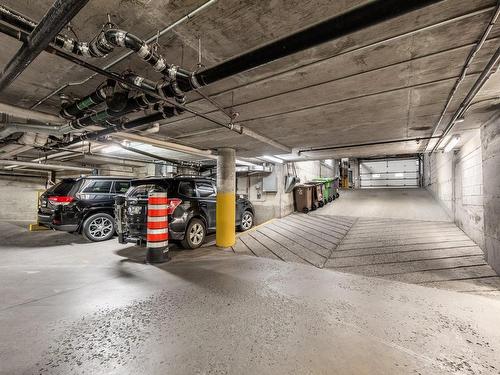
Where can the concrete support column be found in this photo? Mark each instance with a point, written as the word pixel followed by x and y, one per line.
pixel 226 198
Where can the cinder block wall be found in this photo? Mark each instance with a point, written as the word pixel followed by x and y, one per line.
pixel 490 150
pixel 467 184
pixel 18 198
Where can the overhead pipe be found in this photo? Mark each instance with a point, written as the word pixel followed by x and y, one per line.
pixel 103 44
pixel 328 148
pixel 338 26
pixel 151 39
pixel 207 154
pixel 76 109
pixel 467 65
pixel 182 80
pixel 59 14
pixel 28 114
pixel 129 125
pixel 43 166
pixel 352 50
pixel 153 156
pixel 483 78
pixel 11 128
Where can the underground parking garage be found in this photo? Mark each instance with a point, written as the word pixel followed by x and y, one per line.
pixel 249 187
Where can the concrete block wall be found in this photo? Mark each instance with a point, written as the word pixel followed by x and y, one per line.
pixel 438 178
pixel 468 190
pixel 490 151
pixel 18 198
pixel 467 184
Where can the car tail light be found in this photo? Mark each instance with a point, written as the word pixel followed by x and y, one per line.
pixel 61 199
pixel 172 204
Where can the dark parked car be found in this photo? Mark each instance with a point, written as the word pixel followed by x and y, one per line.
pixel 192 203
pixel 84 205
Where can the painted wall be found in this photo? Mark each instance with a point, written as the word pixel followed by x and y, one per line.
pixel 269 205
pixel 18 198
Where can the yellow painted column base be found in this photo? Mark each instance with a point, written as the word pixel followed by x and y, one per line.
pixel 225 216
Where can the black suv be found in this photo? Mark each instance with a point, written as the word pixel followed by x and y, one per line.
pixel 83 205
pixel 192 206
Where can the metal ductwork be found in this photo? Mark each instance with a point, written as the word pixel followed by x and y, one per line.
pixel 11 128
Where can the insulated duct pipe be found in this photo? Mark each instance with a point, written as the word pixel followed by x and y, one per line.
pixel 59 14
pixel 44 166
pixel 12 128
pixel 28 114
pixel 153 156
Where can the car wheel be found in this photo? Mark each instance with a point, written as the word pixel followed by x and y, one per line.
pixel 99 227
pixel 195 234
pixel 246 221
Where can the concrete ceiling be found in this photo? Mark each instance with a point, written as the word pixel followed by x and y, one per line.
pixel 389 81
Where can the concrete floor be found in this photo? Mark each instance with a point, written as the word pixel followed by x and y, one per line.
pixel 71 307
pixel 408 204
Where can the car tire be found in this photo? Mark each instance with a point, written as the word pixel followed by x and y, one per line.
pixel 99 227
pixel 194 235
pixel 247 221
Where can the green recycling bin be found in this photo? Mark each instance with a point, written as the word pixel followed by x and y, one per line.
pixel 328 193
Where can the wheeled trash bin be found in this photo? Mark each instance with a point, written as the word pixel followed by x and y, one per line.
pixel 303 196
pixel 335 187
pixel 317 197
pixel 328 194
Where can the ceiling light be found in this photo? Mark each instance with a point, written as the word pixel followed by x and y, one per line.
pixel 272 159
pixel 245 163
pixel 452 143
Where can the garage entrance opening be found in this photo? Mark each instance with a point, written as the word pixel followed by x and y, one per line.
pixel 390 173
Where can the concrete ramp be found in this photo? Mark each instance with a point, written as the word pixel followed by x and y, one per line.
pixel 428 253
pixel 407 204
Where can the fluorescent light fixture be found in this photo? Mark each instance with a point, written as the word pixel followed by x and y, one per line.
pixel 375 175
pixel 272 159
pixel 111 149
pixel 452 143
pixel 399 175
pixel 245 163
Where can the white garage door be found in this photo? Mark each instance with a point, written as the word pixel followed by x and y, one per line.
pixel 389 173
